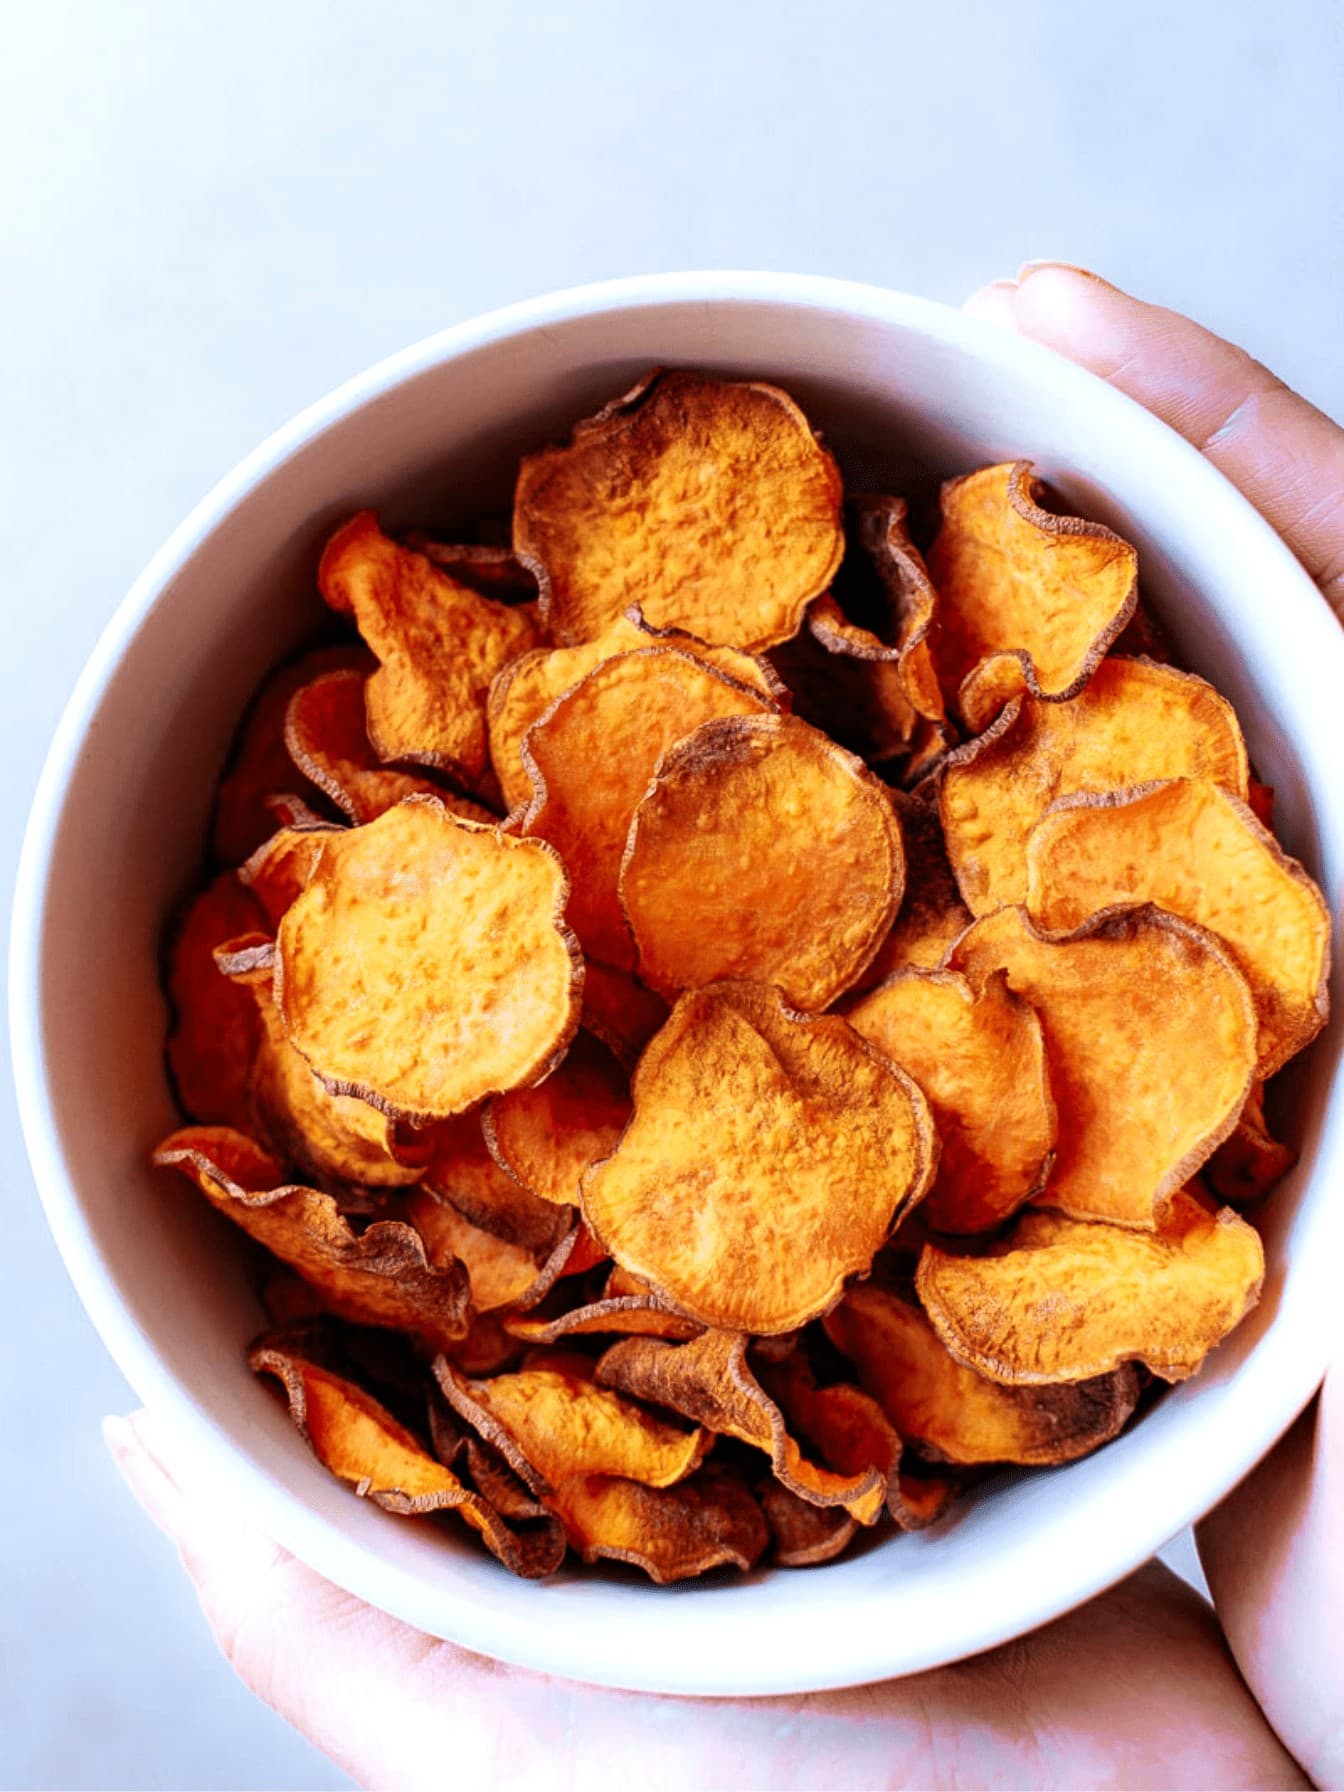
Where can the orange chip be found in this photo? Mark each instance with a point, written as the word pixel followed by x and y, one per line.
pixel 979 1057
pixel 362 1444
pixel 619 1011
pixel 709 1381
pixel 213 1042
pixel 801 1534
pixel 502 1274
pixel 438 642
pixel 549 1424
pixel 490 569
pixel 953 1413
pixel 1150 1039
pixel 546 1137
pixel 462 1172
pixel 328 741
pixel 847 681
pixel 380 1276
pixel 259 763
pixel 1064 1300
pixel 487 1348
pixel 761 850
pixel 919 1500
pixel 622 1315
pixel 622 717
pixel 672 1533
pixel 708 502
pixel 278 871
pixel 1250 1159
pixel 1134 721
pixel 323 1134
pixel 427 965
pixel 1200 853
pixel 932 913
pixel 782 1145
pixel 1054 591
pixel 886 585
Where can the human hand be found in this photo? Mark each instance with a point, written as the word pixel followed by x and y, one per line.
pixel 1137 1688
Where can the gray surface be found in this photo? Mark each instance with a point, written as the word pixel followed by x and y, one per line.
pixel 210 214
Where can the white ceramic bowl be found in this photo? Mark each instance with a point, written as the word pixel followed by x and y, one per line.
pixel 900 386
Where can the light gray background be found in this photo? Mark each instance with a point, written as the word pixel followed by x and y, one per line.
pixel 211 212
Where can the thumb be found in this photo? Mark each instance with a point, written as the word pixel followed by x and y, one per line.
pixel 1281 452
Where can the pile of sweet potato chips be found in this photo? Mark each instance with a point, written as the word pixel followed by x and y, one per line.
pixel 723 1029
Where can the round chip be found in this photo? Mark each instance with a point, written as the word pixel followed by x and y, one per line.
pixel 765 852
pixel 427 965
pixel 769 1156
pixel 708 502
pixel 545 1137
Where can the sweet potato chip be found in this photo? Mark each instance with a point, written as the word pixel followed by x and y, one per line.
pixel 546 1137
pixel 259 764
pixel 1064 1300
pixel 380 1276
pixel 761 850
pixel 462 1171
pixel 502 1274
pixel 1134 721
pixel 278 871
pixel 848 682
pixel 438 643
pixel 325 1135
pixel 550 1424
pixel 426 965
pixel 782 1145
pixel 491 569
pixel 1250 1159
pixel 1192 848
pixel 327 739
pixel 918 1500
pixel 672 1533
pixel 362 1444
pixel 620 1012
pixel 979 1057
pixel 212 1044
pixel 487 1348
pixel 955 1414
pixel 840 1424
pixel 1150 1039
pixel 620 1315
pixel 801 1534
pixel 884 585
pixel 708 502
pixel 710 1382
pixel 932 913
pixel 621 718
pixel 1054 591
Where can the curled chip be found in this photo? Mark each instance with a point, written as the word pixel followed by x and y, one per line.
pixel 362 1444
pixel 259 763
pixel 462 1171
pixel 438 643
pixel 709 1381
pixel 979 1057
pixel 932 913
pixel 212 1044
pixel 325 1135
pixel 502 1274
pixel 1054 591
pixel 802 1534
pixel 619 1315
pixel 1063 1300
pixel 953 1413
pixel 709 502
pixel 672 1533
pixel 1197 851
pixel 886 586
pixel 761 850
pixel 546 1137
pixel 380 1276
pixel 847 681
pixel 489 568
pixel 1134 721
pixel 622 718
pixel 278 871
pixel 526 688
pixel 327 739
pixel 427 965
pixel 782 1146
pixel 550 1423
pixel 1250 1159
pixel 918 1499
pixel 620 1012
pixel 1150 1039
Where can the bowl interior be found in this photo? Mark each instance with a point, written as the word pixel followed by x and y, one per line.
pixel 906 393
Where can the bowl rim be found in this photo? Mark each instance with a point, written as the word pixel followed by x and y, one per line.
pixel 870 1653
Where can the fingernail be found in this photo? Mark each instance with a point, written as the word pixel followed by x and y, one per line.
pixel 1029 268
pixel 993 303
pixel 151 1484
